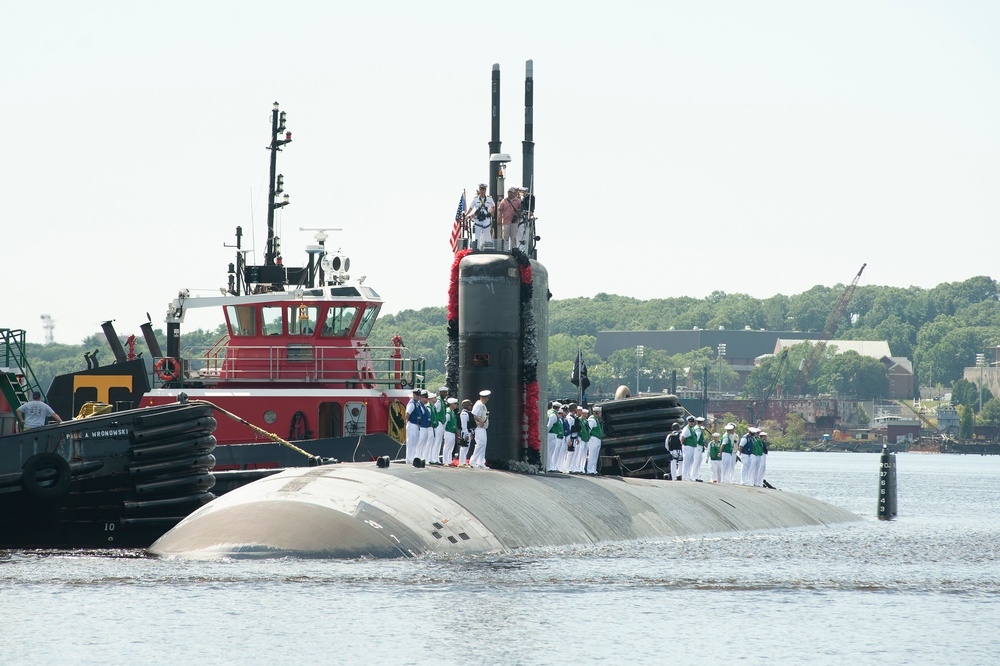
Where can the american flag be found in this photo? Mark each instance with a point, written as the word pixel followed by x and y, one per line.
pixel 456 230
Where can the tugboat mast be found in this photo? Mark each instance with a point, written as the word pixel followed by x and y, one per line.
pixel 276 185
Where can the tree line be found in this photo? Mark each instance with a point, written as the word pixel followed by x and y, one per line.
pixel 940 329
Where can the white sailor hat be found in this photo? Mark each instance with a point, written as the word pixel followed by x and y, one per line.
pixel 752 430
pixel 432 395
pixel 452 401
pixel 763 434
pixel 691 418
pixel 424 393
pixel 586 411
pixel 730 426
pixel 485 393
pixel 482 186
pixel 715 434
pixel 557 404
pixel 700 419
pixel 416 391
pixel 443 389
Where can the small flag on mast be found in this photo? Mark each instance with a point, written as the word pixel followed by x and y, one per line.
pixel 456 229
pixel 579 377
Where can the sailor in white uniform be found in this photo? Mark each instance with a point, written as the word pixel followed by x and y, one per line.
pixel 481 215
pixel 689 438
pixel 482 418
pixel 466 428
pixel 426 425
pixel 572 438
pixel 450 432
pixel 746 456
pixel 730 445
pixel 699 450
pixel 594 445
pixel 761 461
pixel 554 437
pixel 440 409
pixel 412 426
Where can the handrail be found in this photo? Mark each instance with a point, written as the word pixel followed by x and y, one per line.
pixel 353 367
pixel 13 348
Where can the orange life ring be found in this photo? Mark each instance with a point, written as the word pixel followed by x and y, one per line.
pixel 168 369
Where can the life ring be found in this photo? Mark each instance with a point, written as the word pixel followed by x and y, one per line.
pixel 168 369
pixel 35 464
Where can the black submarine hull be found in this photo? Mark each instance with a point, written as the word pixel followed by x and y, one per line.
pixel 362 511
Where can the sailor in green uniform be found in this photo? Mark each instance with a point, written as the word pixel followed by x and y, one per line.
pixel 699 451
pixel 439 407
pixel 756 453
pixel 594 445
pixel 729 443
pixel 555 441
pixel 450 431
pixel 715 458
pixel 689 438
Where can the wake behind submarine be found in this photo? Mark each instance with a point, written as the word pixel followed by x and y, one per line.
pixel 497 340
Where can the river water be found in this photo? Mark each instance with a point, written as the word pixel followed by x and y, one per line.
pixel 924 588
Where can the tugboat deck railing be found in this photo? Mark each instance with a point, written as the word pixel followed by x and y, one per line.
pixel 297 363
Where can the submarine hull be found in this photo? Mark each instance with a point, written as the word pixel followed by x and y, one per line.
pixel 362 511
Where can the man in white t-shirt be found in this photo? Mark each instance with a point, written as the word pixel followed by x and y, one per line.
pixel 35 413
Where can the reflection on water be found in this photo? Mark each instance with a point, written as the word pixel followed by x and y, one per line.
pixel 924 586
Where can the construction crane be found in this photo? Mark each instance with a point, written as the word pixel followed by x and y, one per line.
pixel 778 370
pixel 809 364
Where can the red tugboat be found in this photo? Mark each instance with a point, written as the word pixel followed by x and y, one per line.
pixel 295 358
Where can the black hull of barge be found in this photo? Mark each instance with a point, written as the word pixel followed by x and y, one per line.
pixel 118 480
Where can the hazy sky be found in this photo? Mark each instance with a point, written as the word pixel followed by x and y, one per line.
pixel 681 147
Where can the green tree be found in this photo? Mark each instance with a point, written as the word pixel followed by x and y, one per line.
pixel 852 375
pixel 966 393
pixel 990 415
pixel 966 421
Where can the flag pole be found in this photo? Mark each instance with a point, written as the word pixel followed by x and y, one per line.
pixel 579 376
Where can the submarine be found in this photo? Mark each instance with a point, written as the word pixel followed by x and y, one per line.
pixel 358 510
pixel 497 327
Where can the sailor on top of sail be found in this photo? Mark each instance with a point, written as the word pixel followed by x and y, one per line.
pixel 481 214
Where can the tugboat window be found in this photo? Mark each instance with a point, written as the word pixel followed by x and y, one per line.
pixel 339 321
pixel 367 321
pixel 270 320
pixel 242 319
pixel 301 319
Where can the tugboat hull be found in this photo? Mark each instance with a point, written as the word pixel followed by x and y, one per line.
pixel 118 480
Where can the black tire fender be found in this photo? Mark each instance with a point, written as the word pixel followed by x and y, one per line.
pixel 39 462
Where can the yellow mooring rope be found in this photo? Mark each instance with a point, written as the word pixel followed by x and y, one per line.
pixel 269 435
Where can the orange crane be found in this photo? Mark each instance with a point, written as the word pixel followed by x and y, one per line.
pixel 809 364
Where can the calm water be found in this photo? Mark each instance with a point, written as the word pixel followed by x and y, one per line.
pixel 922 589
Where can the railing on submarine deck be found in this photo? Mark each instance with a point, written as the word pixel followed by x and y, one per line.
pixel 357 367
